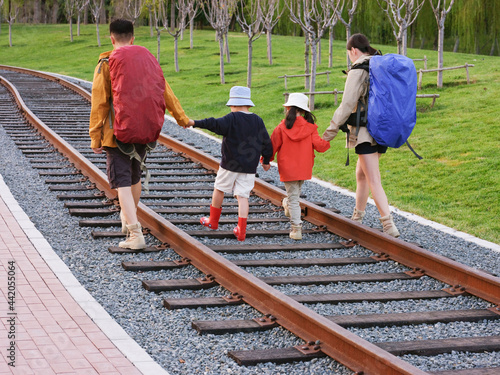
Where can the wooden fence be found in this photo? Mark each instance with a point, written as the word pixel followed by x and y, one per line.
pixel 422 71
pixel 336 93
pixel 286 76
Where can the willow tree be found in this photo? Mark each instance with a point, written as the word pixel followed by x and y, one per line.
pixel 401 14
pixel 440 10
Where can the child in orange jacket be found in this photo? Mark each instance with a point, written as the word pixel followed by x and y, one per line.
pixel 294 140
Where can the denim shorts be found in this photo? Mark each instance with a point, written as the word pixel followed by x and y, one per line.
pixel 121 169
pixel 366 148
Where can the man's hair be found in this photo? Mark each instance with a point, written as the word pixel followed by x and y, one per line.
pixel 121 29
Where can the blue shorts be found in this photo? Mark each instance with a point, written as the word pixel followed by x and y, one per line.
pixel 366 148
pixel 121 169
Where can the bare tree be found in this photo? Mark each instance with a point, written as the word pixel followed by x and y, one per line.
pixel 1 5
pixel 271 14
pixel 95 8
pixel 80 7
pixel 134 9
pixel 160 21
pixel 314 17
pixel 250 18
pixel 12 13
pixel 177 28
pixel 70 10
pixel 347 23
pixel 218 14
pixel 149 7
pixel 193 10
pixel 440 11
pixel 401 14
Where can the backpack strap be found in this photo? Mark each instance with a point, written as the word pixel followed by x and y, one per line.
pixel 129 149
pixel 412 150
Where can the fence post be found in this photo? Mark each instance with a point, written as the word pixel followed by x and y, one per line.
pixel 420 74
pixel 425 62
pixel 467 71
pixel 285 82
pixel 327 78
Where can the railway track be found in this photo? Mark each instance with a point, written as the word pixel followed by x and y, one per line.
pixel 180 192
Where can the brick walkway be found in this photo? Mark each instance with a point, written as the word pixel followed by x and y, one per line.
pixel 53 333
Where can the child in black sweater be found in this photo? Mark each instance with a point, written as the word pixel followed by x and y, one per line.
pixel 245 139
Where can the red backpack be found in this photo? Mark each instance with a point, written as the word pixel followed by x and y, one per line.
pixel 138 86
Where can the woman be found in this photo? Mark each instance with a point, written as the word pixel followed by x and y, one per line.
pixel 369 152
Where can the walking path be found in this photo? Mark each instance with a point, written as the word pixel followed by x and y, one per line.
pixel 49 323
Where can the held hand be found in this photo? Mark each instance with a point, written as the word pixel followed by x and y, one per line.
pixel 190 123
pixel 266 167
pixel 97 150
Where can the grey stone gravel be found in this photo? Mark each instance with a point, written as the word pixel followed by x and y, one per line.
pixel 168 336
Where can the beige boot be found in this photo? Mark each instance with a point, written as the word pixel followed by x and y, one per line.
pixel 284 203
pixel 296 232
pixel 388 226
pixel 135 239
pixel 124 223
pixel 358 215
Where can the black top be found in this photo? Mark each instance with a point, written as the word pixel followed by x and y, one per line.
pixel 245 140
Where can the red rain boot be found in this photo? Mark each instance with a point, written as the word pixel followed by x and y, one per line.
pixel 212 222
pixel 240 231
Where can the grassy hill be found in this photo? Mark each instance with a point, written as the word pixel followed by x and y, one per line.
pixel 456 184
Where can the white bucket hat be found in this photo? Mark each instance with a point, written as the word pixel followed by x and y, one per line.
pixel 298 100
pixel 239 96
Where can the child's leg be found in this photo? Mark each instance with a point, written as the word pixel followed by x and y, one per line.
pixel 212 222
pixel 293 189
pixel 217 198
pixel 243 206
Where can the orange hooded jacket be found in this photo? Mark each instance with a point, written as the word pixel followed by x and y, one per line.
pixel 295 148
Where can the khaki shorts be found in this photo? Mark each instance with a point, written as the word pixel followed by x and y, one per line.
pixel 240 184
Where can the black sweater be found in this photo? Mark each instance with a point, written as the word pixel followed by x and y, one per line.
pixel 245 140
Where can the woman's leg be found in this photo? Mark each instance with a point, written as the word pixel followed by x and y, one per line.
pixel 369 175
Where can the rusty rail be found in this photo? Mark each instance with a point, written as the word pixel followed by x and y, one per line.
pixel 336 342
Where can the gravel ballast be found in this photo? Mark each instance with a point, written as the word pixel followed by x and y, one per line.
pixel 167 335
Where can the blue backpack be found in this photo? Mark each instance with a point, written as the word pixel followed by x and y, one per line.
pixel 390 113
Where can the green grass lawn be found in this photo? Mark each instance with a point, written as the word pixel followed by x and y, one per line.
pixel 456 184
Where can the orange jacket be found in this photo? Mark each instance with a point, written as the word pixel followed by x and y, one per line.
pixel 295 148
pixel 101 116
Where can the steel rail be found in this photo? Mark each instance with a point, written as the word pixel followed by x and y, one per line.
pixel 335 341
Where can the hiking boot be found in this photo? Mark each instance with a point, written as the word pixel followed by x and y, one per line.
pixel 135 239
pixel 212 222
pixel 284 203
pixel 388 226
pixel 296 232
pixel 358 215
pixel 240 231
pixel 124 223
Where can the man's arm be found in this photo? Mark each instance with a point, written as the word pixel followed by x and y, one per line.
pixel 174 106
pixel 100 108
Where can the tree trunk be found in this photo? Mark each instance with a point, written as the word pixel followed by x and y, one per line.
pixel 78 21
pixel 191 31
pixel 495 42
pixel 226 49
pixel 97 31
pixel 319 52
pixel 10 34
pixel 312 84
pixel 348 35
pixel 71 29
pixel 221 59
pixel 269 47
pixel 330 48
pixel 457 42
pixel 249 64
pixel 176 53
pixel 440 55
pixel 158 45
pixel 306 63
pixel 150 23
